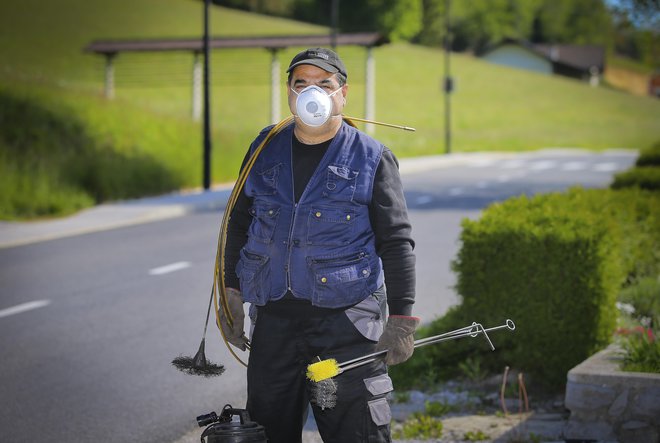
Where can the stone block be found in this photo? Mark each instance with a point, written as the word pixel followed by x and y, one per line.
pixel 637 432
pixel 647 404
pixel 592 430
pixel 589 397
pixel 619 405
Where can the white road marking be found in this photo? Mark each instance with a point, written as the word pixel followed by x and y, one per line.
pixel 455 191
pixel 512 164
pixel 170 268
pixel 482 184
pixel 542 165
pixel 503 178
pixel 23 307
pixel 424 199
pixel 574 166
pixel 481 163
pixel 606 167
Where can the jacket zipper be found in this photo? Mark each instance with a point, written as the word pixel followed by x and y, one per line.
pixel 295 204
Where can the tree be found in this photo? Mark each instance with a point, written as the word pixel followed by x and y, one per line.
pixel 570 21
pixel 645 13
pixel 397 19
pixel 477 24
pixel 635 30
pixel 482 23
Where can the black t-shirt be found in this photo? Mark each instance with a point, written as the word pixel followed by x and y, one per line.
pixel 387 212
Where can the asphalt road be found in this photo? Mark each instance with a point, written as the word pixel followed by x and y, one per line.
pixel 89 323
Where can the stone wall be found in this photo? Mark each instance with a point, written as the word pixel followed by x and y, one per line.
pixel 610 405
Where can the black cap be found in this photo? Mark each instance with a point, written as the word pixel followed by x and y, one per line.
pixel 323 58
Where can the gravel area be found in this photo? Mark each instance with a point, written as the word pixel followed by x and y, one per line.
pixel 473 413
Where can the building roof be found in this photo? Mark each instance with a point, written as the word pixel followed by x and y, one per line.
pixel 581 57
pixel 196 44
pixel 576 56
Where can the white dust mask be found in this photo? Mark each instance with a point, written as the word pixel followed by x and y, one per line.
pixel 314 105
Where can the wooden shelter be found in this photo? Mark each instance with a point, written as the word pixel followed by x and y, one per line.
pixel 112 48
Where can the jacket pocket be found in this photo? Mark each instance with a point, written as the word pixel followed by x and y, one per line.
pixel 264 181
pixel 379 385
pixel 340 281
pixel 367 316
pixel 330 226
pixel 340 183
pixel 380 411
pixel 254 275
pixel 264 222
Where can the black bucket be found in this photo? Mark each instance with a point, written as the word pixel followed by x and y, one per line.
pixel 227 431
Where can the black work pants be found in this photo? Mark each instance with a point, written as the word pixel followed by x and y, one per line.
pixel 289 336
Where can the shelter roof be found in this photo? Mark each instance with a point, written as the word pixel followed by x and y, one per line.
pixel 367 39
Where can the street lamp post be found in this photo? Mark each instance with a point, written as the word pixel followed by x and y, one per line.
pixel 334 19
pixel 448 83
pixel 207 101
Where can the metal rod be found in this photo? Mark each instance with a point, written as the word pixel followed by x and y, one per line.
pixel 468 331
pixel 364 120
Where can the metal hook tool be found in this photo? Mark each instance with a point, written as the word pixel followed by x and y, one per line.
pixel 469 331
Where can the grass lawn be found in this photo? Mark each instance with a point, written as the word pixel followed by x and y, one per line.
pixel 43 70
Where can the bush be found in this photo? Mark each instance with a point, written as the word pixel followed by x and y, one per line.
pixel 420 426
pixel 554 264
pixel 636 214
pixel 433 363
pixel 641 352
pixel 551 265
pixel 649 156
pixel 641 177
pixel 644 296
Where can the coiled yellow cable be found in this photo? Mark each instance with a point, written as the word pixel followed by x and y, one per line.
pixel 219 290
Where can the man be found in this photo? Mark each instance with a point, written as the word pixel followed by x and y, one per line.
pixel 319 229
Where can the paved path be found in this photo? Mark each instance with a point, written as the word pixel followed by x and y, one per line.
pixel 127 213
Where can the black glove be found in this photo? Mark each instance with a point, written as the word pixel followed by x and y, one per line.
pixel 398 339
pixel 234 334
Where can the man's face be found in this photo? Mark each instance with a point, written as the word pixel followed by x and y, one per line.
pixel 307 75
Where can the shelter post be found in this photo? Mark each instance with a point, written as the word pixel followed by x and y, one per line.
pixel 369 90
pixel 196 87
pixel 109 89
pixel 274 86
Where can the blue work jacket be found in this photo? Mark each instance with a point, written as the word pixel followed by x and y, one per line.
pixel 322 248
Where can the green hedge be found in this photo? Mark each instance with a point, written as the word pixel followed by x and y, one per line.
pixel 649 156
pixel 645 174
pixel 554 264
pixel 647 177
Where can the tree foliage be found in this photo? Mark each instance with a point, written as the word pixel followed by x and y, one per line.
pixel 636 24
pixel 477 24
pixel 629 27
pixel 398 19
